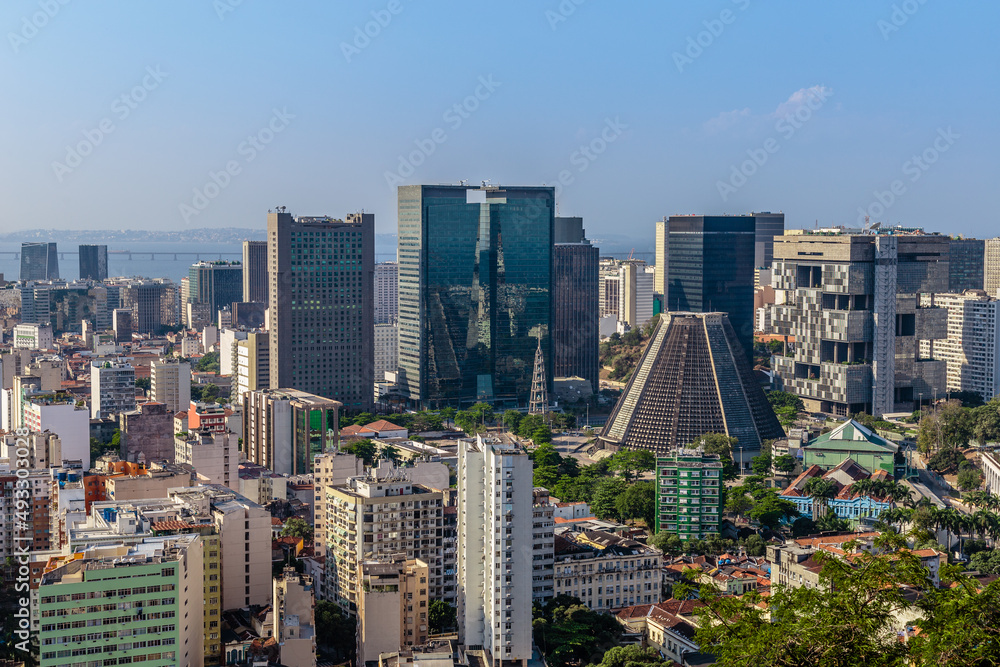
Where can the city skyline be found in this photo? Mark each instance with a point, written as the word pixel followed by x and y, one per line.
pixel 822 134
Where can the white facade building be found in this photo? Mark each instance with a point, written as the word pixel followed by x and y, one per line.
pixel 170 384
pixel 33 337
pixel 214 456
pixel 66 420
pixel 386 350
pixel 112 388
pixel 386 294
pixel 495 549
pixel 972 348
pixel 227 342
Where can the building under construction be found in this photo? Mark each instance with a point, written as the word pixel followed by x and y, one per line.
pixel 693 378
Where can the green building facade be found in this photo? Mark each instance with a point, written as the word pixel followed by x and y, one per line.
pixel 688 498
pixel 854 441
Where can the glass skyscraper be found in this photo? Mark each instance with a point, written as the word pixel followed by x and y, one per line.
pixel 39 261
pixel 93 262
pixel 711 267
pixel 475 273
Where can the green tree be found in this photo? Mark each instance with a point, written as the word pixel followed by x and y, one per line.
pixel 722 445
pixel 336 630
pixel 604 501
pixel 632 656
pixel 785 464
pixel 441 617
pixel 541 435
pixel 447 414
pixel 770 510
pixel 364 449
pixel 209 363
pixel 512 419
pixel 390 453
pixel 297 527
pixel 638 502
pixel 631 462
pixel 363 418
pixel 529 424
pixel 669 543
pixel 568 633
pixel 785 399
pixel 483 412
pixel 143 383
pixel 969 479
pixel 546 476
pixel 803 526
pixel 761 465
pixel 946 459
pixel 755 545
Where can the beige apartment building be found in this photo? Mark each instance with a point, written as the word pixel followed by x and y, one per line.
pixel 392 606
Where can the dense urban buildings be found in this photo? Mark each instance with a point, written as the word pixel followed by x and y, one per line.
pixel 39 261
pixel 386 292
pixel 692 379
pixel 283 429
pixel 254 272
pixel 93 262
pixel 576 320
pixel 218 284
pixel 851 301
pixel 606 571
pixel 170 383
pixel 711 269
pixel 112 388
pixel 972 347
pixel 688 497
pixel 155 304
pixel 321 277
pixel 475 274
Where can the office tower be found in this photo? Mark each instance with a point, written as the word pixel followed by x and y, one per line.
pixel 252 368
pixel 121 322
pixel 392 606
pixel 152 585
pixel 972 348
pixel 386 350
pixel 254 272
pixel 217 284
pixel 295 618
pixel 662 257
pixel 170 384
pixel 967 258
pixel 93 262
pixel 147 433
pixel 155 304
pixel 692 379
pixel 494 549
pixel 39 261
pixel 851 303
pixel 635 306
pixel 321 276
pixel 767 225
pixel 283 429
pixel 991 267
pixel 249 315
pixel 366 518
pixel 386 292
pixel 70 305
pixel 112 388
pixel 688 501
pixel 610 294
pixel 33 337
pixel 215 457
pixel 475 269
pixel 576 317
pixel 711 262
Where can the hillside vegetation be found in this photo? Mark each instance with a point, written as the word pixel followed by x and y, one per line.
pixel 620 354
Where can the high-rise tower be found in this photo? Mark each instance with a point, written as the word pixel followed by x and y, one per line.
pixel 255 271
pixel 93 262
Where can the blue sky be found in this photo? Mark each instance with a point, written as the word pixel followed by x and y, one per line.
pixel 723 106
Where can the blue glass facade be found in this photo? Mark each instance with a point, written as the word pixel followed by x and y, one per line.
pixel 475 269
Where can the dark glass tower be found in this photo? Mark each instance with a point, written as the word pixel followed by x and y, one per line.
pixel 966 265
pixel 218 284
pixel 321 276
pixel 767 226
pixel 576 323
pixel 93 262
pixel 255 271
pixel 711 267
pixel 475 269
pixel 39 261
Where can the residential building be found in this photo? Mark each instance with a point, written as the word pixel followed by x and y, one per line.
pixel 392 606
pixel 847 503
pixel 138 602
pixel 991 267
pixel 295 618
pixel 283 429
pixel 972 348
pixel 575 323
pixel 386 293
pixel 215 457
pixel 386 350
pixel 218 284
pixel 542 552
pixel 851 440
pixel 121 322
pixel 688 500
pixel 321 277
pixel 692 379
pixel 711 269
pixel 665 629
pixel 475 273
pixel 39 261
pixel 208 417
pixel 966 261
pixel 609 287
pixel 112 388
pixel 33 337
pixel 330 469
pixel 58 414
pixel 254 272
pixel 662 257
pixel 252 367
pixel 851 302
pixel 494 562
pixel 635 306
pixel 93 262
pixel 379 514
pixel 40 451
pixel 607 571
pixel 170 383
pixel 147 433
pixel 228 337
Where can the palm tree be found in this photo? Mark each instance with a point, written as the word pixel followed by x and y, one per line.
pixel 821 491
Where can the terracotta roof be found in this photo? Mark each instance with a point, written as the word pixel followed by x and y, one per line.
pixel 825 540
pixel 171 525
pixel 383 425
pixel 354 429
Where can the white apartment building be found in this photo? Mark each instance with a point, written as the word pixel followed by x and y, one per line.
pixel 112 388
pixel 33 337
pixel 71 423
pixel 386 294
pixel 495 572
pixel 542 552
pixel 214 456
pixel 991 267
pixel 386 350
pixel 330 469
pixel 972 348
pixel 251 365
pixel 228 338
pixel 170 384
pixel 607 572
